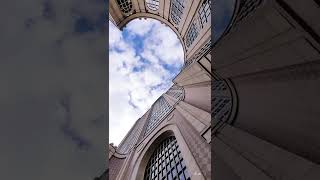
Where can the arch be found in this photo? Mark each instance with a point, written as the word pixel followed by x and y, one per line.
pixel 159 18
pixel 146 151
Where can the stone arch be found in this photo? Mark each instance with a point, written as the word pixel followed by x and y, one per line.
pixel 146 152
pixel 159 18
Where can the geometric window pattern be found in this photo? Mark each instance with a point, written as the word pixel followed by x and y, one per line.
pixel 192 33
pixel 204 12
pixel 177 7
pixel 166 162
pixel 200 53
pixel 131 138
pixel 153 4
pixel 222 102
pixel 176 92
pixel 125 5
pixel 160 109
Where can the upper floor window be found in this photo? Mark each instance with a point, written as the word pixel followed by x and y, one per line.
pixel 177 7
pixel 192 33
pixel 204 12
pixel 125 5
pixel 166 162
pixel 153 4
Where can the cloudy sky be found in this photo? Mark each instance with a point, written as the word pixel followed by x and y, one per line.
pixel 143 60
pixel 53 93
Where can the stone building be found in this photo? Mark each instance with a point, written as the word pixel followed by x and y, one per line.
pixel 266 90
pixel 264 86
pixel 171 140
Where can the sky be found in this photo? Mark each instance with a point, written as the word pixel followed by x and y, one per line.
pixel 223 11
pixel 53 77
pixel 143 60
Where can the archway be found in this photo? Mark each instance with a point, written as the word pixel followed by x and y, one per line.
pixel 154 72
pixel 148 149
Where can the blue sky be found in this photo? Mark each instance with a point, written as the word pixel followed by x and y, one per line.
pixel 143 60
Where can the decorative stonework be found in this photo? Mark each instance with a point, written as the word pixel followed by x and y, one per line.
pixel 200 53
pixel 177 92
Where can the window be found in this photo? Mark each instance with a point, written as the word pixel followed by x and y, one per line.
pixel 125 5
pixel 160 109
pixel 153 4
pixel 176 92
pixel 192 33
pixel 204 12
pixel 173 169
pixel 177 7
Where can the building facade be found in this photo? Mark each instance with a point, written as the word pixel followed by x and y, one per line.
pixel 263 84
pixel 172 140
pixel 266 90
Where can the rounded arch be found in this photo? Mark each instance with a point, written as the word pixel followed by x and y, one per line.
pixel 159 18
pixel 154 141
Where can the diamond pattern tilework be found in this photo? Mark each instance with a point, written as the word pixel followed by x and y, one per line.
pixel 200 149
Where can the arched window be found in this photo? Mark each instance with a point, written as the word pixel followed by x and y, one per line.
pixel 204 12
pixel 153 4
pixel 125 5
pixel 166 162
pixel 177 7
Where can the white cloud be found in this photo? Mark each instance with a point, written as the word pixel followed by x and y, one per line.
pixel 141 28
pixel 143 85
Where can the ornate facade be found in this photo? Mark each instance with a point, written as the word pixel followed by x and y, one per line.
pixel 265 82
pixel 172 140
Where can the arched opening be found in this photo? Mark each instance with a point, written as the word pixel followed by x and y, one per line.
pixel 145 58
pixel 162 20
pixel 166 162
pixel 148 150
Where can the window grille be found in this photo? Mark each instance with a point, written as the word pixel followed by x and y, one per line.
pixel 177 7
pixel 166 162
pixel 153 4
pixel 125 5
pixel 159 110
pixel 192 33
pixel 204 12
